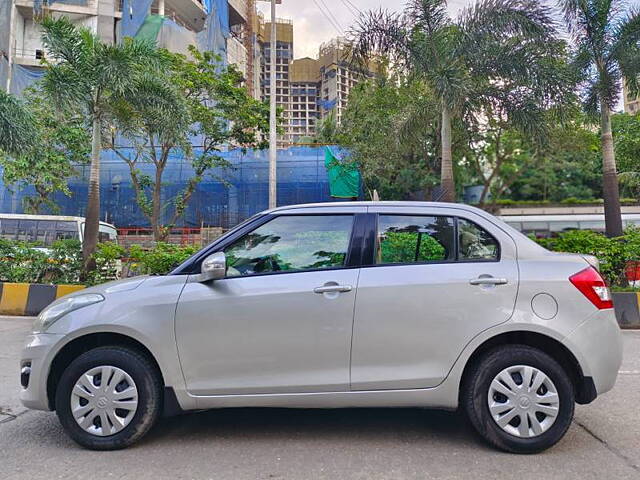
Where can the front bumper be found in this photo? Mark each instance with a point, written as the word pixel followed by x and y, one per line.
pixel 38 352
pixel 597 344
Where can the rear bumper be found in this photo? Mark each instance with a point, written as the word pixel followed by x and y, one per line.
pixel 597 344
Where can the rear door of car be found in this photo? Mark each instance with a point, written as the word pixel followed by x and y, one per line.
pixel 433 278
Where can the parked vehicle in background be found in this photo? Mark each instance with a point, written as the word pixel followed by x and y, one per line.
pixel 380 304
pixel 545 226
pixel 46 229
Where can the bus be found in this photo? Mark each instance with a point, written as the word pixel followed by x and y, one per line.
pixel 545 226
pixel 46 229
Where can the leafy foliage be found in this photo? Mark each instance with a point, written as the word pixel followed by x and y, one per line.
pixel 606 43
pixel 400 247
pixel 190 98
pixel 614 253
pixel 24 262
pixel 500 57
pixel 18 129
pixel 391 129
pixel 60 142
pixel 159 260
pixel 626 130
pixel 87 76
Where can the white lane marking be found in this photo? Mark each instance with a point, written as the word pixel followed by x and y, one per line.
pixel 629 372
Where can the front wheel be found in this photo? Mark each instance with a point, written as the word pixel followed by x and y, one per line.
pixel 108 398
pixel 519 399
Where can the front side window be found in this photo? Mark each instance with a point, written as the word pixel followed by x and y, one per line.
pixel 291 243
pixel 414 239
pixel 476 243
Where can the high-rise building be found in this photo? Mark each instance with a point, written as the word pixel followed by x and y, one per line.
pixel 337 78
pixel 284 55
pixel 304 74
pixel 631 103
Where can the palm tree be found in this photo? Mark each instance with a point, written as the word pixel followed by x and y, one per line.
pixel 496 55
pixel 17 125
pixel 607 49
pixel 85 74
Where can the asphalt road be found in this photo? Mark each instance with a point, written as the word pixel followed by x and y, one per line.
pixel 602 443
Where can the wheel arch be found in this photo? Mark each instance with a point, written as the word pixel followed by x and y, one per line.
pixel 585 391
pixel 83 344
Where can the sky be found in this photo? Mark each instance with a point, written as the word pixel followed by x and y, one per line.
pixel 311 27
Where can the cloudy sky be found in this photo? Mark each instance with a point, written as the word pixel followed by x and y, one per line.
pixel 312 27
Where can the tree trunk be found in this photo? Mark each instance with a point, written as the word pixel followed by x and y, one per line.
pixel 92 217
pixel 612 213
pixel 156 204
pixel 446 175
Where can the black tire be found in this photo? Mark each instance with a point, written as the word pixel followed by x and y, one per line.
pixel 148 383
pixel 476 390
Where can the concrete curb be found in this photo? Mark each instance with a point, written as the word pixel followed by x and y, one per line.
pixel 627 307
pixel 29 299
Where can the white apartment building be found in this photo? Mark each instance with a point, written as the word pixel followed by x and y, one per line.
pixel 21 49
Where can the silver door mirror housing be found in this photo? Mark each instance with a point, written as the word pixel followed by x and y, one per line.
pixel 214 267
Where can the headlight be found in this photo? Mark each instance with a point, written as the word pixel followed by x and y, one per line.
pixel 60 308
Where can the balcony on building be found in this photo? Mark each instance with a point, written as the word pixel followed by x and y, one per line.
pixel 189 14
pixel 74 7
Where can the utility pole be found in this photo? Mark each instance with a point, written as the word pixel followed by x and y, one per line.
pixel 273 91
pixel 273 134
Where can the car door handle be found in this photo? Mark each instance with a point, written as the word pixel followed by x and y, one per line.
pixel 332 288
pixel 488 281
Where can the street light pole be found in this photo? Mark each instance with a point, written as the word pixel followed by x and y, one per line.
pixel 273 135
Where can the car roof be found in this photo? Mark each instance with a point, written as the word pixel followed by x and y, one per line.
pixel 360 204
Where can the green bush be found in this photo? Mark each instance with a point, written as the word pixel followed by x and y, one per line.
pixel 21 262
pixel 159 260
pixel 61 263
pixel 613 253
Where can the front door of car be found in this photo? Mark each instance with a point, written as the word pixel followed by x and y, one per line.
pixel 435 282
pixel 281 320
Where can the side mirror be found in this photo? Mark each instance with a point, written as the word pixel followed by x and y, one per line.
pixel 214 267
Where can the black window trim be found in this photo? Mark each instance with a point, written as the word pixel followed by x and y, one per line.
pixel 372 241
pixel 352 260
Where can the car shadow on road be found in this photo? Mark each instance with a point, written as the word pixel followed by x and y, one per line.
pixel 353 424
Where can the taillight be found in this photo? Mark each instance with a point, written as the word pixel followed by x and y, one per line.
pixel 592 286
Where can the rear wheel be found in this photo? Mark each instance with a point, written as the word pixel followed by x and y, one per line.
pixel 519 399
pixel 108 398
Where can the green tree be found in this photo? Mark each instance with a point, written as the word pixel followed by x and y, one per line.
pixel 198 100
pixel 567 167
pixel 87 75
pixel 501 53
pixel 17 125
pixel 391 128
pixel 59 142
pixel 626 132
pixel 607 48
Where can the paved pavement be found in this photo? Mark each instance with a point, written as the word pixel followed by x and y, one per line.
pixel 602 443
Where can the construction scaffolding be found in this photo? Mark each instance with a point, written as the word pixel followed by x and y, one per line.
pixel 224 198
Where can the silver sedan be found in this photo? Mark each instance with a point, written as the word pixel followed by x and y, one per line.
pixel 337 305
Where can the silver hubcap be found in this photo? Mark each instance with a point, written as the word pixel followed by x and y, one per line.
pixel 104 400
pixel 523 401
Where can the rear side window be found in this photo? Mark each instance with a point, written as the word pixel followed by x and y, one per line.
pixel 415 239
pixel 475 243
pixel 291 243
